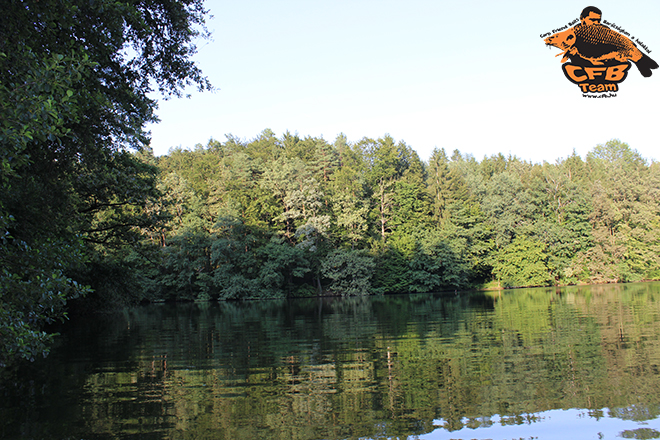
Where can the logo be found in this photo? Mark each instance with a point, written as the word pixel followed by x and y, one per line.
pixel 599 57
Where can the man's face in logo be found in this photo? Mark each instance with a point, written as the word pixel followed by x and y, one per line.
pixel 592 18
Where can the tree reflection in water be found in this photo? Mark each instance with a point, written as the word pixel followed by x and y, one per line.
pixel 520 363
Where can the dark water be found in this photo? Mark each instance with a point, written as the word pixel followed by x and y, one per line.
pixel 570 363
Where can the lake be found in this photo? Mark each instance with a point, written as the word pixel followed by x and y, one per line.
pixel 551 363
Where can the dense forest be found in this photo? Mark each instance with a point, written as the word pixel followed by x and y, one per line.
pixel 89 217
pixel 294 216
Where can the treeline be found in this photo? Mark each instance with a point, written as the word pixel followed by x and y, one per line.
pixel 293 216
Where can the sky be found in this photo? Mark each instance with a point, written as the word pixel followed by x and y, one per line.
pixel 471 75
pixel 548 425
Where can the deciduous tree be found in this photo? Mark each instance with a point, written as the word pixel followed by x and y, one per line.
pixel 75 84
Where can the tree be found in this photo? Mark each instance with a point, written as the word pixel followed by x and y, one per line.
pixel 186 208
pixel 439 264
pixel 280 263
pixel 200 168
pixel 411 206
pixel 187 265
pixel 523 262
pixel 326 158
pixel 442 184
pixel 265 147
pixel 349 271
pixel 349 196
pixel 237 191
pixel 625 214
pixel 507 204
pixel 233 258
pixel 75 78
pixel 291 183
pixel 564 203
pixel 386 163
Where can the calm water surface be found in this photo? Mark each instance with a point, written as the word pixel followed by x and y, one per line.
pixel 570 363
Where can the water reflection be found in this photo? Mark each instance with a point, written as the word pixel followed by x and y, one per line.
pixel 552 425
pixel 517 364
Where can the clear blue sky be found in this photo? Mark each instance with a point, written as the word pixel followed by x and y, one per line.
pixel 470 75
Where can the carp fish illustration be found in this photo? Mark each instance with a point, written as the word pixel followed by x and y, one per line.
pixel 599 45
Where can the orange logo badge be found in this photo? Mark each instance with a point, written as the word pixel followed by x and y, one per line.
pixel 598 56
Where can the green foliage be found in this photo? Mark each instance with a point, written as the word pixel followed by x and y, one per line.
pixel 523 262
pixel 439 263
pixel 281 264
pixel 508 204
pixel 391 274
pixel 625 214
pixel 35 290
pixel 297 192
pixel 75 79
pixel 349 272
pixel 284 208
pixel 186 266
pixel 37 99
pixel 445 185
pixel 349 198
pixel 411 207
pixel 182 204
pixel 235 266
